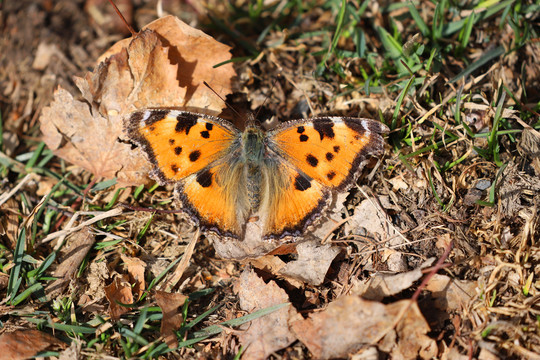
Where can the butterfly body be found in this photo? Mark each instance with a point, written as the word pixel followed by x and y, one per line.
pixel 284 177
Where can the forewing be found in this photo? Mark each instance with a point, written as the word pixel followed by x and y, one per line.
pixel 330 150
pixel 180 143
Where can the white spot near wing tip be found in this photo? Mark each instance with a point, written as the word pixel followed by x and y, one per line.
pixel 146 115
pixel 365 124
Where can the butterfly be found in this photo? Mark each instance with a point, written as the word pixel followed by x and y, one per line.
pixel 283 178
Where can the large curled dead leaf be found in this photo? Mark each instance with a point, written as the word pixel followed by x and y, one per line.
pixel 162 66
pixel 351 322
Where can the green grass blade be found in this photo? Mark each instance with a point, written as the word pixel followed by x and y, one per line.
pixel 401 98
pixel 424 29
pixel 492 190
pixel 35 156
pixel 392 47
pixel 339 26
pixel 43 208
pixel 103 185
pixel 37 287
pixel 14 276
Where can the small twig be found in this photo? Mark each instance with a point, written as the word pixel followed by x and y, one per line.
pixel 66 232
pixel 146 209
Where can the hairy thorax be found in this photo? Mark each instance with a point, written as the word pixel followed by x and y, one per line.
pixel 253 154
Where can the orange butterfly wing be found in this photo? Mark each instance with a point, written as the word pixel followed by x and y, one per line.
pixel 294 202
pixel 194 152
pixel 320 156
pixel 211 198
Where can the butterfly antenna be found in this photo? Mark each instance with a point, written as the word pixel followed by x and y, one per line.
pixel 267 96
pixel 133 33
pixel 222 99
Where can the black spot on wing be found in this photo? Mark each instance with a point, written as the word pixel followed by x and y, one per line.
pixel 304 138
pixel 184 122
pixel 329 156
pixel 194 155
pixel 205 134
pixel 171 141
pixel 178 150
pixel 312 160
pixel 300 129
pixel 204 178
pixel 336 149
pixel 174 168
pixel 301 183
pixel 330 175
pixel 325 128
pixel 209 126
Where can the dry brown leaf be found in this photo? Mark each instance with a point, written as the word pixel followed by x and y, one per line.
pixel 268 263
pixel 119 291
pixel 371 218
pixel 4 280
pixel 171 306
pixel 23 344
pixel 412 341
pixel 379 286
pixel 193 55
pixel 312 264
pixel 310 267
pixel 351 322
pixel 135 268
pixel 78 246
pixel 73 352
pixel 44 54
pixel 162 66
pixel 270 333
pixel 451 294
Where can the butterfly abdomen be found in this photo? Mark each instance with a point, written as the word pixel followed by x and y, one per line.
pixel 254 185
